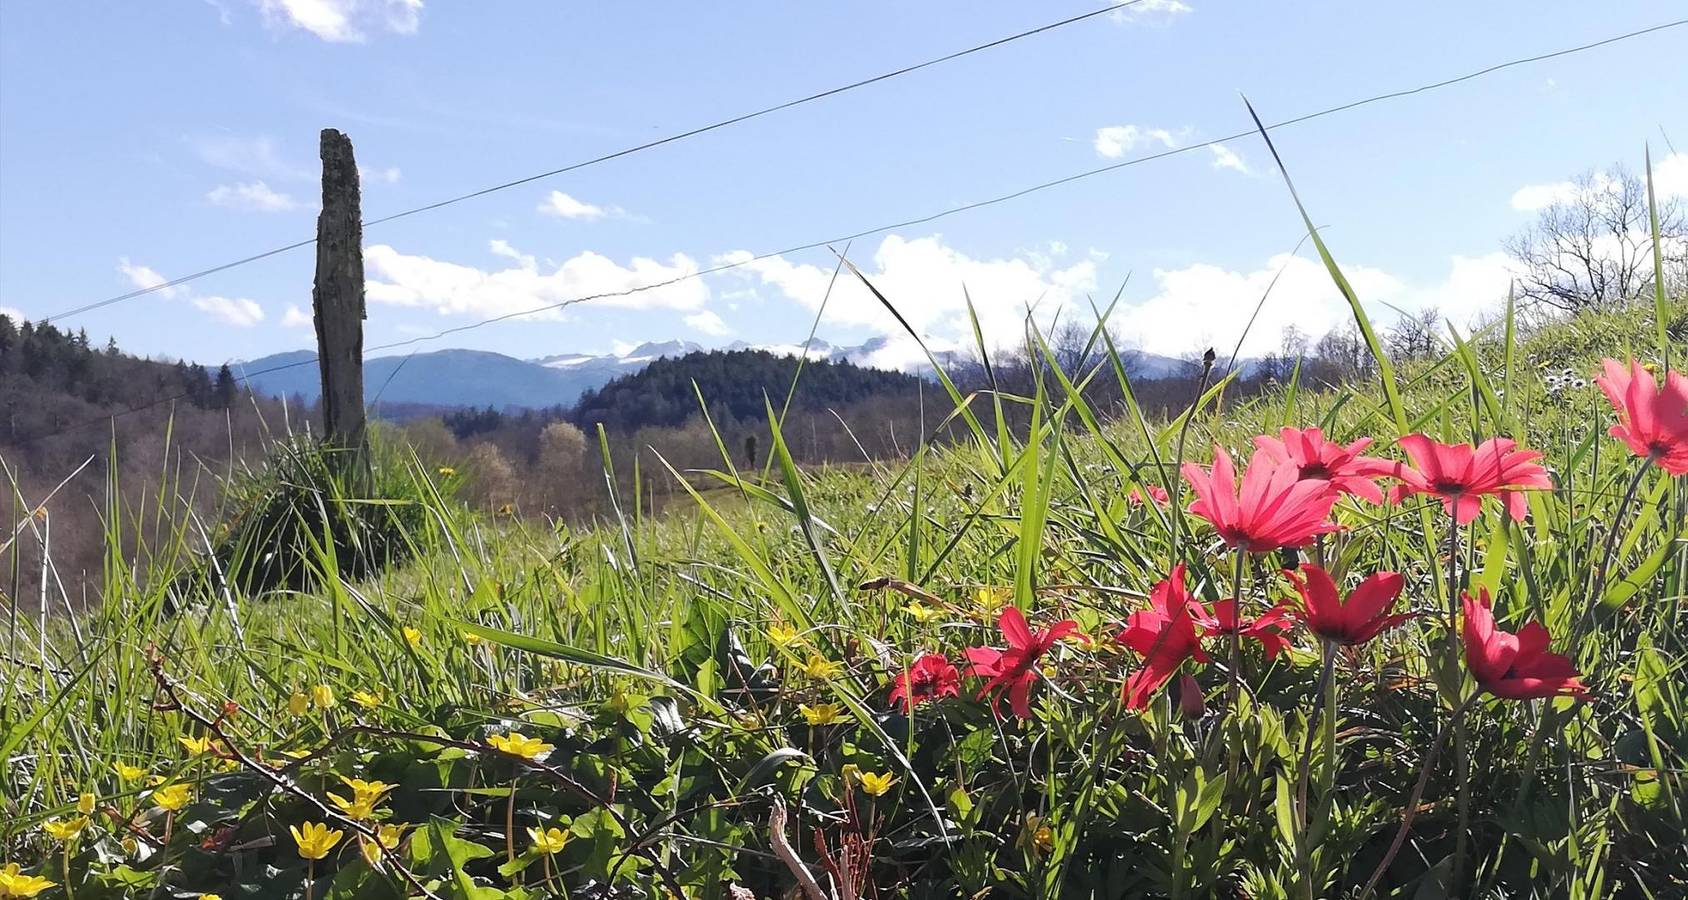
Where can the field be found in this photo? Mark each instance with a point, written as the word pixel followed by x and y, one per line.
pixel 700 702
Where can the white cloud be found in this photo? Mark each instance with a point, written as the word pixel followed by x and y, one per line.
pixel 562 205
pixel 1140 10
pixel 1115 141
pixel 343 21
pixel 501 247
pixel 375 175
pixel 13 313
pixel 237 311
pixel 294 317
pixel 253 196
pixel 1226 158
pixel 708 323
pixel 929 283
pixel 1204 305
pixel 456 289
pixel 144 277
pixel 255 156
pixel 1670 180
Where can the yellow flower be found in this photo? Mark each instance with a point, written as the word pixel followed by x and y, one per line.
pixel 473 640
pixel 66 829
pixel 990 601
pixel 323 697
pixel 210 897
pixel 413 636
pixel 820 668
pixel 13 883
pixel 446 471
pixel 368 699
pixel 821 713
pixel 315 839
pixel 195 746
pixel 387 837
pixel 783 635
pixel 357 807
pixel 1044 838
pixel 85 804
pixel 298 704
pixel 517 744
pixel 877 785
pixel 365 796
pixel 127 772
pixel 549 841
pixel 922 613
pixel 172 796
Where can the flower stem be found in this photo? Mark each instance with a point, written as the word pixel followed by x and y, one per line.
pixel 1327 706
pixel 1234 692
pixel 310 878
pixel 1413 800
pixel 510 824
pixel 69 891
pixel 1601 573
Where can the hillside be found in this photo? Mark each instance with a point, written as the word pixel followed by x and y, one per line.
pixel 735 383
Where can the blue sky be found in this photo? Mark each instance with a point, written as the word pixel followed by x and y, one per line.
pixel 140 140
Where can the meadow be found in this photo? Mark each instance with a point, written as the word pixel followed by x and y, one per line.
pixel 1433 648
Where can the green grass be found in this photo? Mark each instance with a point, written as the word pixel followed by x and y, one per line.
pixel 644 650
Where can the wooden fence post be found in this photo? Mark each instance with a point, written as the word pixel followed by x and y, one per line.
pixel 337 300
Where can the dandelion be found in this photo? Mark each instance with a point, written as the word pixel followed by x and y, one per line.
pixel 876 785
pixel 14 883
pixel 322 697
pixel 1013 671
pixel 64 830
pixel 549 841
pixel 821 713
pixel 931 677
pixel 820 668
pixel 517 744
pixel 368 699
pixel 1274 508
pixel 315 839
pixel 172 797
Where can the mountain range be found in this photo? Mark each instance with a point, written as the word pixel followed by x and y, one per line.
pixel 480 378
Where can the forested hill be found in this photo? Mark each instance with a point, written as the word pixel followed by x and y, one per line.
pixel 734 383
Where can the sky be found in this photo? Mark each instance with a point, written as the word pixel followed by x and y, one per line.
pixel 144 141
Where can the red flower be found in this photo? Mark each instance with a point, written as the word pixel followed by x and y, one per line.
pixel 1274 508
pixel 1165 635
pixel 1155 491
pixel 1462 475
pixel 1320 460
pixel 1268 629
pixel 1514 666
pixel 1652 420
pixel 1014 671
pixel 1353 621
pixel 929 678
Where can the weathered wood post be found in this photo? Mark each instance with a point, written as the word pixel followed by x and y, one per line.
pixel 337 300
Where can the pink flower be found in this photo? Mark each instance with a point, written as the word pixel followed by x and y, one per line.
pixel 1515 666
pixel 1274 508
pixel 1320 460
pixel 1013 671
pixel 1652 420
pixel 1165 635
pixel 1356 620
pixel 1268 629
pixel 930 678
pixel 1155 491
pixel 1462 475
